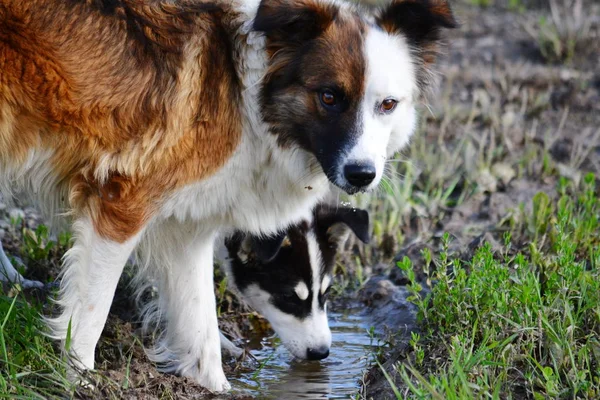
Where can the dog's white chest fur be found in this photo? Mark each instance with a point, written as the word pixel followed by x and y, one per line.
pixel 260 191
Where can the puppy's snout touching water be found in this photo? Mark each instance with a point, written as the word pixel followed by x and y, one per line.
pixel 287 277
pixel 318 353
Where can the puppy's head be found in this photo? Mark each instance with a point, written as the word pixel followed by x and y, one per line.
pixel 342 84
pixel 287 278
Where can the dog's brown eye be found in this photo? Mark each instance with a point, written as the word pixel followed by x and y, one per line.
pixel 328 98
pixel 388 105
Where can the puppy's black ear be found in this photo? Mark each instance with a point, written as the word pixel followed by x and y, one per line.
pixel 334 220
pixel 293 21
pixel 267 248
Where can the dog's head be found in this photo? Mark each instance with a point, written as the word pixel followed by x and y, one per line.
pixel 342 84
pixel 287 277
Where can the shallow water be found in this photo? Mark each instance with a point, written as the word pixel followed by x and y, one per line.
pixel 336 377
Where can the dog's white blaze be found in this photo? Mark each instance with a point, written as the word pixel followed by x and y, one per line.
pixel 390 73
pixel 325 283
pixel 302 290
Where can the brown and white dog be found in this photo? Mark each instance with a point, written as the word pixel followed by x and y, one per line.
pixel 158 124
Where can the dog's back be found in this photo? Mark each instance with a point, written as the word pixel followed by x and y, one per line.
pixel 97 95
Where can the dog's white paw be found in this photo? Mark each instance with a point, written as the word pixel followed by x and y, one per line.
pixel 79 376
pixel 213 379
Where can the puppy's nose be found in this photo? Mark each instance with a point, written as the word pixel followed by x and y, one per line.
pixel 359 174
pixel 318 353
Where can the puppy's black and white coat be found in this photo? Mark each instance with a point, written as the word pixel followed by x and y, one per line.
pixel 287 278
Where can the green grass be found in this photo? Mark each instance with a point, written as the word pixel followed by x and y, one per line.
pixel 522 323
pixel 30 367
pixel 565 32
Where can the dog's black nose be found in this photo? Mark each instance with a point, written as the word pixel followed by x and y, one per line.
pixel 317 354
pixel 359 174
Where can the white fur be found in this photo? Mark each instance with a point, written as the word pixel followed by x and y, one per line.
pixel 229 347
pixel 35 178
pixel 92 268
pixel 302 290
pixel 178 258
pixel 325 283
pixel 390 74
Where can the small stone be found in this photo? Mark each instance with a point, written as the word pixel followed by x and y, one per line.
pixel 486 181
pixel 508 119
pixel 504 172
pixel 16 213
pixel 569 172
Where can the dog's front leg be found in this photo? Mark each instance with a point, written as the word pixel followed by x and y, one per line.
pixel 190 345
pixel 91 271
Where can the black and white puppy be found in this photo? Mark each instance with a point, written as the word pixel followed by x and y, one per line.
pixel 287 277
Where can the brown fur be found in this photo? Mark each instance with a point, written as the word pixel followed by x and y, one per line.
pixel 298 69
pixel 134 99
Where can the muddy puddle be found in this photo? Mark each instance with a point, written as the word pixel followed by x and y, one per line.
pixel 280 376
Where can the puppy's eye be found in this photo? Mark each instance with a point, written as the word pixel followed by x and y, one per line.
pixel 387 106
pixel 328 98
pixel 289 295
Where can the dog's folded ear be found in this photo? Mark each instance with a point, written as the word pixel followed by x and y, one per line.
pixel 293 21
pixel 266 249
pixel 336 221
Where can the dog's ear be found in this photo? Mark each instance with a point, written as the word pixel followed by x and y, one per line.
pixel 337 220
pixel 293 21
pixel 420 21
pixel 266 248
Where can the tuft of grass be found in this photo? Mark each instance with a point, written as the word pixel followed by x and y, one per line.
pixel 30 367
pixel 516 323
pixel 566 31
